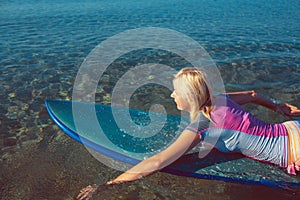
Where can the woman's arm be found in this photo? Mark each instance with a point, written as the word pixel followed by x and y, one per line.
pixel 185 142
pixel 245 97
pixel 253 97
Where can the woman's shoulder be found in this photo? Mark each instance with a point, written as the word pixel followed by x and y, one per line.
pixel 200 123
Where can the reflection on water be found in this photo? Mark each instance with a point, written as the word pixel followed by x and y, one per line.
pixel 255 45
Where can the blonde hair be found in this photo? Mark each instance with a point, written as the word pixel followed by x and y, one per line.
pixel 194 88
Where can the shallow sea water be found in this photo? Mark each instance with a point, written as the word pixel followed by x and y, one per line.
pixel 255 44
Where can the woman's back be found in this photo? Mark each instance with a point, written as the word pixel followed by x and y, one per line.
pixel 235 130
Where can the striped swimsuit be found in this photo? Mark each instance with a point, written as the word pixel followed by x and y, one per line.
pixel 235 130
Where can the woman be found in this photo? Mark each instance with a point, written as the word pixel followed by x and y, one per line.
pixel 240 132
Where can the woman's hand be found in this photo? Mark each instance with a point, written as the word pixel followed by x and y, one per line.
pixel 88 192
pixel 288 110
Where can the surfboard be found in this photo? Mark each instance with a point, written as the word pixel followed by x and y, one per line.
pixel 118 133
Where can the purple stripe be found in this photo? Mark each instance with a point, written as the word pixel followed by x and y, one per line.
pixel 195 130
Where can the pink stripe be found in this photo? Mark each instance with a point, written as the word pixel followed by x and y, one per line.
pixel 234 118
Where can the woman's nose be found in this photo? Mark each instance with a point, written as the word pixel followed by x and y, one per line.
pixel 172 95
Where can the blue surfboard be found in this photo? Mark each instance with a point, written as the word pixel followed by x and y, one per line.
pixel 95 126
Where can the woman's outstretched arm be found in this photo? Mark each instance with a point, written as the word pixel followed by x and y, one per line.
pixel 185 142
pixel 245 97
pixel 155 163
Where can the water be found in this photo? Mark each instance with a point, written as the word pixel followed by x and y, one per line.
pixel 255 45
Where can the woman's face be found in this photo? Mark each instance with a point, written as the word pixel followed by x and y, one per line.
pixel 182 103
